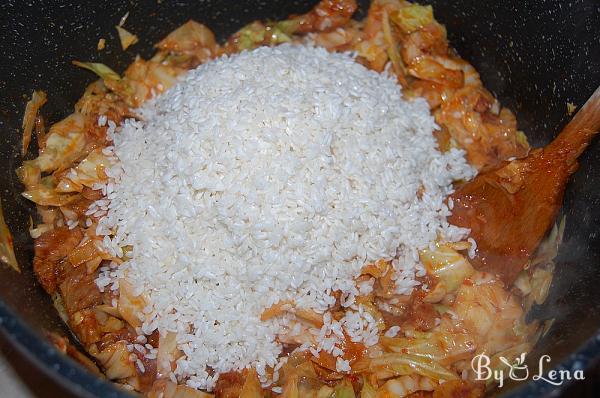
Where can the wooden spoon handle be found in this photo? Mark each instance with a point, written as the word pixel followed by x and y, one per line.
pixel 585 124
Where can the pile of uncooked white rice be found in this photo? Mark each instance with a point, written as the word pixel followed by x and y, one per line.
pixel 272 175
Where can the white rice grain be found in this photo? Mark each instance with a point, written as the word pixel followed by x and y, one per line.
pixel 271 175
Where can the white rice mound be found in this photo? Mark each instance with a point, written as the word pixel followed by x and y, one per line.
pixel 271 175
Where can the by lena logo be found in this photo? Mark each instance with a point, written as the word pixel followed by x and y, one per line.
pixel 518 370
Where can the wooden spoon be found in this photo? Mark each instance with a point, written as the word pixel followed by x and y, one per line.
pixel 510 209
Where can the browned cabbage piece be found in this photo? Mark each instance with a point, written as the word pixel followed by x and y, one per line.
pixel 38 99
pixel 144 79
pixel 449 267
pixel 100 325
pixel 90 171
pixel 110 342
pixel 192 42
pixel 7 251
pixel 258 34
pixel 347 39
pixel 130 305
pixel 116 362
pixel 90 253
pixel 46 195
pixel 29 174
pixel 99 100
pixel 492 315
pixel 66 143
pixel 78 288
pixel 126 38
pixel 51 250
pixel 229 384
pixel 326 15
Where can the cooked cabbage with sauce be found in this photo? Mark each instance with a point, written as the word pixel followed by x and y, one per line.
pixel 415 339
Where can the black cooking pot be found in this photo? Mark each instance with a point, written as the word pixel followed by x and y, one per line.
pixel 534 55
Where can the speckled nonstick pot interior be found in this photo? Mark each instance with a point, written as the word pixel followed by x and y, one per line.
pixel 534 55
